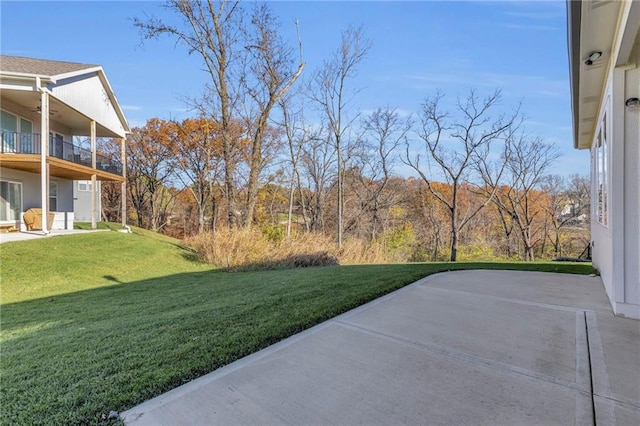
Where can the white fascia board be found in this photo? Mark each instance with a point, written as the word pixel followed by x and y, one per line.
pixel 24 85
pixel 71 74
pixel 20 76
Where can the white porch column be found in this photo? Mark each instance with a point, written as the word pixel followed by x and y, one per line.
pixel 94 220
pixel 44 148
pixel 123 196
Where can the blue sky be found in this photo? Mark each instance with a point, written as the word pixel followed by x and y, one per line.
pixel 418 47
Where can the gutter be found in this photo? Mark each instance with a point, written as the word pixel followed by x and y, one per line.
pixel 26 76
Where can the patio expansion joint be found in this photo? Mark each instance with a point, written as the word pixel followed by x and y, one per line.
pixel 507 299
pixel 448 353
pixel 605 412
pixel 584 374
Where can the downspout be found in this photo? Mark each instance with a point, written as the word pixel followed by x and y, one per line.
pixel 44 148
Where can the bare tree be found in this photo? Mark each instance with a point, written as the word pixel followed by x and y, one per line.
pixel 567 207
pixel 579 192
pixel 318 161
pixel 245 59
pixel 333 98
pixel 521 198
pixel 555 188
pixel 272 75
pixel 213 30
pixel 383 131
pixel 297 133
pixel 454 147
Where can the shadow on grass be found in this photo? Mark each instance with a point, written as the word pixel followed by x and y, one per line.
pixel 293 261
pixel 71 358
pixel 188 253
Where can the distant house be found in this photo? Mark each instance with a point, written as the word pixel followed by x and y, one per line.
pixel 604 55
pixel 46 106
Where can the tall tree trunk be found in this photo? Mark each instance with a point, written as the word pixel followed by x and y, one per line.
pixel 290 210
pixel 528 249
pixel 436 246
pixel 302 203
pixel 214 214
pixel 374 222
pixel 454 246
pixel 454 227
pixel 252 185
pixel 229 189
pixel 340 194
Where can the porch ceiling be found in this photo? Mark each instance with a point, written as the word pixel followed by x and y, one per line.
pixel 59 112
pixel 58 168
pixel 597 29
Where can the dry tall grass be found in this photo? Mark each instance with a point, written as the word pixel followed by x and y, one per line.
pixel 255 249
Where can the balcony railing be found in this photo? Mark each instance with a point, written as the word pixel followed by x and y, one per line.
pixel 29 143
pixel 20 143
pixel 109 165
pixel 67 151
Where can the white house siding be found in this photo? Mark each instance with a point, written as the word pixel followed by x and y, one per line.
pixel 87 94
pixel 629 301
pixel 64 215
pixel 30 186
pixel 65 194
pixel 612 28
pixel 616 246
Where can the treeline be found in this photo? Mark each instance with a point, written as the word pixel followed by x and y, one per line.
pixel 289 154
pixel 174 187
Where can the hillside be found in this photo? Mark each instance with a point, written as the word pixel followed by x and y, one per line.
pixel 53 266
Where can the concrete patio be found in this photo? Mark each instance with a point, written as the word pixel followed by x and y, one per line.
pixel 33 235
pixel 468 347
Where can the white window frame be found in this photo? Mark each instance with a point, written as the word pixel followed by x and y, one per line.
pixel 9 143
pixel 53 184
pixel 601 167
pixel 17 143
pixel 86 183
pixel 21 200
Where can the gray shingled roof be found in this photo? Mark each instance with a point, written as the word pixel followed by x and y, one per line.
pixel 41 67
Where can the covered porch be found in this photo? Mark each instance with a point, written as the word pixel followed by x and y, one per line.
pixel 50 134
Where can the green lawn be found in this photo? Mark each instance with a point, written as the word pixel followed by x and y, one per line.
pixel 99 322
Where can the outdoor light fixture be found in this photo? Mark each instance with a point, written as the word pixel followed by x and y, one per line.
pixel 593 56
pixel 632 102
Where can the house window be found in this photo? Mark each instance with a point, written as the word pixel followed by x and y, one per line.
pixel 10 200
pixel 84 185
pixel 17 134
pixel 56 145
pixel 26 137
pixel 9 125
pixel 601 168
pixel 53 196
